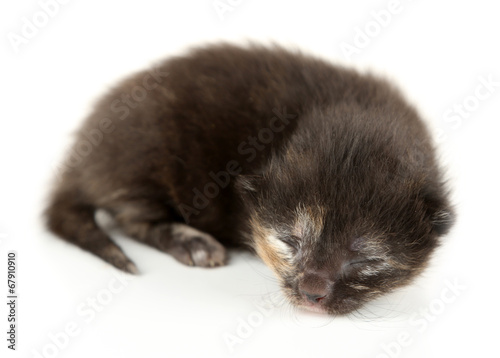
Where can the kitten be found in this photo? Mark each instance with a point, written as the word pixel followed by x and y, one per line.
pixel 327 174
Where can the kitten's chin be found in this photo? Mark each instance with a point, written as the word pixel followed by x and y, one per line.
pixel 345 308
pixel 313 308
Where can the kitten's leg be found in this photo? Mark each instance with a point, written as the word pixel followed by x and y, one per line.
pixel 73 220
pixel 186 244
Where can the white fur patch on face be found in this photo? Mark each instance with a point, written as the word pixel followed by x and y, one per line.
pixel 359 287
pixel 278 246
pixel 369 271
pixel 375 269
pixel 308 222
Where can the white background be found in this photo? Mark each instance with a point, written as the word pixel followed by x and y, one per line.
pixel 437 51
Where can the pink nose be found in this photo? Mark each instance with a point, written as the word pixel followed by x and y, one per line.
pixel 312 297
pixel 314 287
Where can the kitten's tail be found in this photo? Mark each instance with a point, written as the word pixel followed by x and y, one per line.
pixel 71 217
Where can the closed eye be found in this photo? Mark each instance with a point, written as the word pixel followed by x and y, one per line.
pixel 292 241
pixel 356 265
pixel 362 262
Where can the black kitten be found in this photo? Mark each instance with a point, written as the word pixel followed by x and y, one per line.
pixel 327 174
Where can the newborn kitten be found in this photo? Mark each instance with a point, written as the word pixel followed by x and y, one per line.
pixel 327 174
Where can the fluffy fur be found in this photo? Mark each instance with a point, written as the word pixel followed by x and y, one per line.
pixel 327 174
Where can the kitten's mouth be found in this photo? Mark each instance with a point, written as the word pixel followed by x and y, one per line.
pixel 346 306
pixel 317 306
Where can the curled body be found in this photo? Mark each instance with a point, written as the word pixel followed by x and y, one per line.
pixel 328 175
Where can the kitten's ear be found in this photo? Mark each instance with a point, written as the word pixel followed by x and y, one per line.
pixel 439 210
pixel 442 221
pixel 248 185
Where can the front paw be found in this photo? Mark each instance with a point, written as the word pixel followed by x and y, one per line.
pixel 196 248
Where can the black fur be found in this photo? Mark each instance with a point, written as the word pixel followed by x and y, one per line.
pixel 232 140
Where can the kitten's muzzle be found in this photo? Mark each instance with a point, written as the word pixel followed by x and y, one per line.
pixel 314 286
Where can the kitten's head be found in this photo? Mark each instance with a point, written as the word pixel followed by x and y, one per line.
pixel 338 234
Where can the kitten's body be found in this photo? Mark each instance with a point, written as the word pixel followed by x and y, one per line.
pixel 311 165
